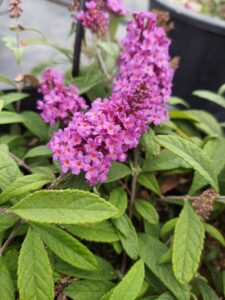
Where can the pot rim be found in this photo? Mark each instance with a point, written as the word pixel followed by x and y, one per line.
pixel 193 18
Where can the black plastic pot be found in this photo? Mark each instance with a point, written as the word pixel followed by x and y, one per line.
pixel 30 103
pixel 200 42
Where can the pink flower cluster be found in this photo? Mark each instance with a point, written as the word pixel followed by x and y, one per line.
pixel 59 102
pixel 95 139
pixel 96 16
pixel 145 77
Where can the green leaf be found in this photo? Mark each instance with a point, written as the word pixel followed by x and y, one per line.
pixel 67 247
pixel 12 97
pixel 178 101
pixel 151 250
pixel 23 185
pixel 7 117
pixel 165 296
pixel 206 122
pixel 11 43
pixel 88 289
pixel 48 43
pixel 183 115
pixel 34 123
pixel 188 244
pixel 165 161
pixel 6 221
pixel 104 271
pixel 214 232
pixel 7 80
pixel 9 170
pixel 118 198
pixel 223 283
pixel 149 181
pixel 38 151
pixel 6 287
pixel 128 235
pixel 103 232
pixel 166 257
pixel 64 207
pixel 130 286
pixel 91 78
pixel 206 291
pixel 149 144
pixel 210 96
pixel 214 148
pixel 118 171
pixel 168 227
pixel 34 270
pixel 192 154
pixel 47 172
pixel 147 211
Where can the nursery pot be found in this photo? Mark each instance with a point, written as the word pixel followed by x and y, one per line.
pixel 30 103
pixel 199 41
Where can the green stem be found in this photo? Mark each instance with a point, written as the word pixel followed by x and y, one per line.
pixel 133 183
pixel 10 237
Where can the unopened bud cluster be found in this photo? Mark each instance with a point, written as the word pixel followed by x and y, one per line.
pixel 14 8
pixel 204 204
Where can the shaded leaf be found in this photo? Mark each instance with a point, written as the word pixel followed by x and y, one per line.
pixel 210 96
pixel 8 117
pixel 23 185
pixel 118 171
pixel 34 123
pixel 147 211
pixel 151 250
pixel 104 271
pixel 127 235
pixel 149 181
pixel 214 232
pixel 66 246
pixel 168 227
pixel 38 151
pixel 192 154
pixel 88 289
pixel 103 232
pixel 206 291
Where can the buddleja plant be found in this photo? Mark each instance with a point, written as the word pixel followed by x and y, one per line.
pixel 110 198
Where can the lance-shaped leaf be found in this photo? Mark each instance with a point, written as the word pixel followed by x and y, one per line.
pixel 34 270
pixel 66 247
pixel 128 235
pixel 147 211
pixel 188 244
pixel 88 289
pixel 6 287
pixel 9 170
pixel 118 198
pixel 130 286
pixel 23 185
pixel 100 232
pixel 105 270
pixel 151 250
pixel 8 117
pixel 64 207
pixel 192 154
